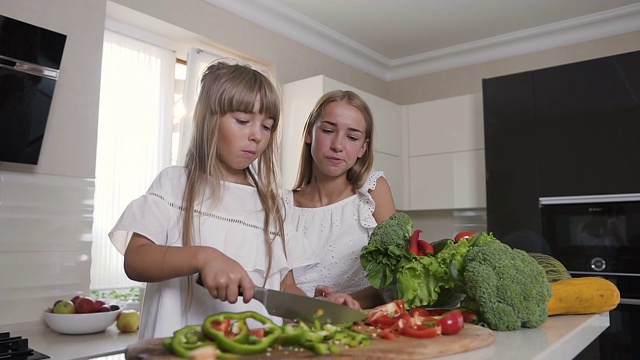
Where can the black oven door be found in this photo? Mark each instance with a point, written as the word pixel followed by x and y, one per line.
pixel 594 233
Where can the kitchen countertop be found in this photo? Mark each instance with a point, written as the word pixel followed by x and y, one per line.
pixel 73 347
pixel 561 337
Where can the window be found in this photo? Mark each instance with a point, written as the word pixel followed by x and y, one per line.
pixel 134 140
pixel 146 96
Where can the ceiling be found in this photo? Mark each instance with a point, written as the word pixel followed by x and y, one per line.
pixel 396 39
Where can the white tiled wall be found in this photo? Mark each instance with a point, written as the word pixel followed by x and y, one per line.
pixel 45 242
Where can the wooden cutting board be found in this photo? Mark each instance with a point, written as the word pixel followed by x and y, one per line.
pixel 402 348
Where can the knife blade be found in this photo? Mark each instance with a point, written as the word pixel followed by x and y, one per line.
pixel 302 308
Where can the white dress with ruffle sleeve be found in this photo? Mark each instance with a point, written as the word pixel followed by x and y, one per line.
pixel 234 227
pixel 335 234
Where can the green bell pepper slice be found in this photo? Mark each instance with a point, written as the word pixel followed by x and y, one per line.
pixel 187 339
pixel 239 343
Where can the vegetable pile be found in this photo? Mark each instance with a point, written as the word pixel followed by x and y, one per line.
pixel 392 319
pixel 506 287
pixel 226 336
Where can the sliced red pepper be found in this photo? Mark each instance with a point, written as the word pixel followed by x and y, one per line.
pixel 391 309
pixel 387 321
pixel 422 331
pixel 382 321
pixel 464 235
pixel 259 333
pixel 469 316
pixel 437 312
pixel 425 248
pixel 386 335
pixel 413 242
pixel 419 311
pixel 224 327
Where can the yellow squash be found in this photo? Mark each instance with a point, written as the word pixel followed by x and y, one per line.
pixel 583 295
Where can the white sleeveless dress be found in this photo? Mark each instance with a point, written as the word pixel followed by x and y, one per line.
pixel 336 233
pixel 233 227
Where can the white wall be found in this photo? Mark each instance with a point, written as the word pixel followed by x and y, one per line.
pixel 45 210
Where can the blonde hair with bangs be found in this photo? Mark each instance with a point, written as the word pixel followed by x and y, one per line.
pixel 229 87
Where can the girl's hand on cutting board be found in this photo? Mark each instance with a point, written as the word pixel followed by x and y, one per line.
pixel 325 293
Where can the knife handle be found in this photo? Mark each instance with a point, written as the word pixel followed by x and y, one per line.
pixel 199 280
pixel 201 283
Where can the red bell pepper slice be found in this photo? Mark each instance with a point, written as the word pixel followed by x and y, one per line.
pixel 223 327
pixel 419 311
pixel 259 333
pixel 386 335
pixel 425 248
pixel 422 331
pixel 469 316
pixel 438 312
pixel 464 235
pixel 413 243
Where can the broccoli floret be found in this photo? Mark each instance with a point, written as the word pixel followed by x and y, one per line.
pixel 507 286
pixel 396 230
pixel 386 248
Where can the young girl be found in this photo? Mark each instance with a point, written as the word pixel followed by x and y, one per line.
pixel 338 200
pixel 220 215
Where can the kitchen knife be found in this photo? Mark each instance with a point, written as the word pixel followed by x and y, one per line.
pixel 302 308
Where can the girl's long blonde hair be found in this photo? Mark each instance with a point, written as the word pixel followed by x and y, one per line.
pixel 358 173
pixel 228 87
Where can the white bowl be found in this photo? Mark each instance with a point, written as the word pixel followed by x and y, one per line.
pixel 80 323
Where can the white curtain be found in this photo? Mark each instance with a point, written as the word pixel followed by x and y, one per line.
pixel 134 140
pixel 197 62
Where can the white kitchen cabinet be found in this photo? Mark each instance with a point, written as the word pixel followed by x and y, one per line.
pixel 446 125
pixel 452 180
pixel 298 100
pixel 446 154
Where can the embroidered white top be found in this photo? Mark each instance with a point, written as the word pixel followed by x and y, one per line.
pixel 336 233
pixel 234 227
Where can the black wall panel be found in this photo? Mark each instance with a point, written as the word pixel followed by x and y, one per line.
pixel 561 131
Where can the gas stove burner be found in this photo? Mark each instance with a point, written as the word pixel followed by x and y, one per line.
pixel 17 348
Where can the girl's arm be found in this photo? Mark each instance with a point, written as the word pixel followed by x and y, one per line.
pixel 382 196
pixel 146 261
pixel 371 297
pixel 289 285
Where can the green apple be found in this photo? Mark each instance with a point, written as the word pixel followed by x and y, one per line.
pixel 128 321
pixel 64 307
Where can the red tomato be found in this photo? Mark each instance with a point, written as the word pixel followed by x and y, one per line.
pixel 464 235
pixel 452 322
